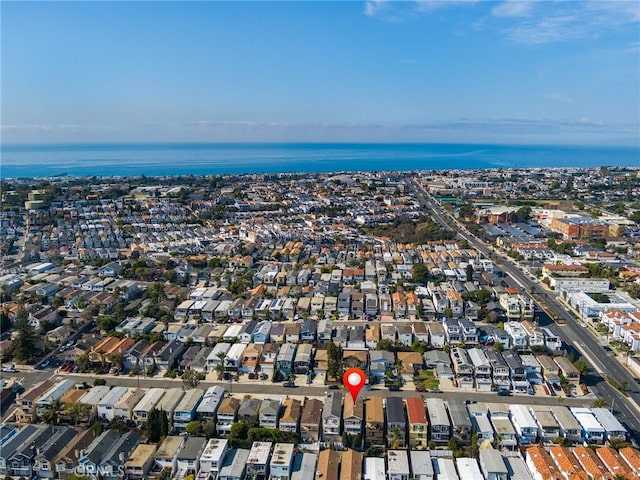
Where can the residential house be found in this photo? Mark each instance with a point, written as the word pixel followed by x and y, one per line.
pixel 481 369
pixel 188 459
pixel 140 461
pixel 285 360
pixel 227 415
pixel 123 408
pixel 592 431
pixel 25 401
pixel 290 420
pixel 439 426
pixel 381 361
pixel 248 409
pixel 251 358
pixel 569 426
pixel 269 413
pixel 25 436
pixel 614 430
pixel 261 333
pixel 351 465
pixel 258 460
pixel 548 427
pixel 462 367
pixel 398 465
pixel 506 435
pixel 517 370
pixel 309 331
pixel 281 461
pixel 146 404
pixel 483 428
pixel 437 335
pixel 353 416
pixel 268 358
pixel 167 454
pixel 332 417
pixel 19 463
pixel 328 465
pixel 213 455
pixel 304 466
pixel 53 394
pixel 167 357
pixel 524 424
pixel 421 465
pixel 311 421
pixel 302 363
pixel 185 411
pixel 374 427
pixel 207 408
pixel 418 425
pixel 540 463
pixel 233 360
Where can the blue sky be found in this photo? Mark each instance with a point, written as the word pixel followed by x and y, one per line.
pixel 457 71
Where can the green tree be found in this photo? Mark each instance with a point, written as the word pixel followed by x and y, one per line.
pixel 419 347
pixel 469 272
pixel 420 273
pixel 599 403
pixel 191 378
pixel 220 366
pixel 76 411
pixel 51 415
pixel 581 366
pixel 157 425
pixel 209 429
pixel 193 428
pixel 385 344
pixel 165 474
pixel 373 451
pixel 334 360
pixel 25 342
pixel 5 321
pixel 397 437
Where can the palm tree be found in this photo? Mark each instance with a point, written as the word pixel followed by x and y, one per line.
pixel 51 415
pixel 396 435
pixel 599 403
pixel 220 366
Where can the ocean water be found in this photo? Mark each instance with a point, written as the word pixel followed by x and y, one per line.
pixel 209 158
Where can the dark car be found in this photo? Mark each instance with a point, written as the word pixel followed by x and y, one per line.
pixel 333 387
pixel 289 385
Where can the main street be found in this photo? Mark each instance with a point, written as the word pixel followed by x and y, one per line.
pixel 572 333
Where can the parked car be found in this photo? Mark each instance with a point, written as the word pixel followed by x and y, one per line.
pixel 289 385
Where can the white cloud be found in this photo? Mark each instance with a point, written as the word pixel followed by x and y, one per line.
pixel 373 8
pixel 501 130
pixel 564 21
pixel 512 8
pixel 396 10
pixel 559 97
pixel 525 21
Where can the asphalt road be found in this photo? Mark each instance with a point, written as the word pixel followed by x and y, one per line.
pixel 572 333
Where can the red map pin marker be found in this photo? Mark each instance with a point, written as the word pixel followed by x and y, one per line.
pixel 354 379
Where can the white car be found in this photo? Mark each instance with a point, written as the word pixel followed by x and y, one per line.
pixel 8 370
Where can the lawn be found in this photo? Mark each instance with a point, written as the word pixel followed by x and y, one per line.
pixel 427 380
